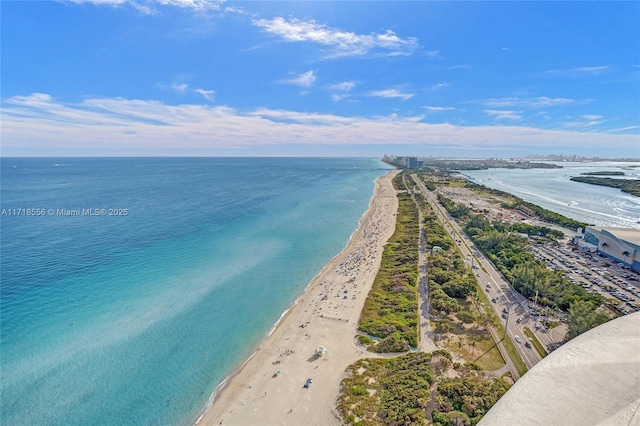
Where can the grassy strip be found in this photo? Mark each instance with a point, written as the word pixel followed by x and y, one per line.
pixel 536 343
pixel 514 355
pixel 508 344
pixel 391 309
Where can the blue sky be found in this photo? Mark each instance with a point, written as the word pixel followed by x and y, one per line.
pixel 198 77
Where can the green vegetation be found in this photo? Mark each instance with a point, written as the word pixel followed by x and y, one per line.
pixel 397 391
pixel 582 317
pixel 529 276
pixel 514 355
pixel 603 173
pixel 552 217
pixel 515 203
pixel 391 309
pixel 390 391
pixel 398 182
pixel 457 321
pixel 630 186
pixel 508 251
pixel 465 400
pixel 535 342
pixel 451 165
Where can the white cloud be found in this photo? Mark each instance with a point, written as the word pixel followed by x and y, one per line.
pixel 433 54
pixel 207 94
pixel 174 87
pixel 391 93
pixel 439 86
pixel 344 43
pixel 539 102
pixel 179 87
pixel 38 124
pixel 503 115
pixel 580 71
pixel 150 6
pixel 306 79
pixel 438 109
pixel 583 122
pixel 623 129
pixel 345 86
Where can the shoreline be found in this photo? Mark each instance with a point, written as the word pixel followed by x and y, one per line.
pixel 267 388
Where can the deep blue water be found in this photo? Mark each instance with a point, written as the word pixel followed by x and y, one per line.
pixel 136 318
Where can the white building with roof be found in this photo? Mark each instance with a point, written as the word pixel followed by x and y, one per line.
pixel 620 244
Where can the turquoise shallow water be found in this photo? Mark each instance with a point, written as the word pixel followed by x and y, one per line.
pixel 136 318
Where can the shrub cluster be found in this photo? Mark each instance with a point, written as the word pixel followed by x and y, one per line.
pixel 528 275
pixel 391 309
pixel 391 391
pixel 465 400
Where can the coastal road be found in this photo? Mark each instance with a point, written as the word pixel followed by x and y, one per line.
pixel 506 298
pixel 426 342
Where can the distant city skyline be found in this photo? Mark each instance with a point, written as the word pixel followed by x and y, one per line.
pixel 215 78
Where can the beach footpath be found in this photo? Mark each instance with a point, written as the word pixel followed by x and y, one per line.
pixel 315 339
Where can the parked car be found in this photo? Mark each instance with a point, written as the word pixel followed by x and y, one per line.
pixel 308 383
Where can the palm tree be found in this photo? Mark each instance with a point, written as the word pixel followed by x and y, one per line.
pixel 626 254
pixel 604 245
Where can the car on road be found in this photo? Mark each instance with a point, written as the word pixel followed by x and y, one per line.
pixel 494 300
pixel 308 383
pixel 528 345
pixel 518 339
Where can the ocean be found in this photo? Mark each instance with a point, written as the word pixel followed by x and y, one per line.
pixel 553 190
pixel 131 287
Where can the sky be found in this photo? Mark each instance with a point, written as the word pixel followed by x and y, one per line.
pixel 327 78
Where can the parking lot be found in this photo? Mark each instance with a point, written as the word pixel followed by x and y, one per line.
pixel 595 273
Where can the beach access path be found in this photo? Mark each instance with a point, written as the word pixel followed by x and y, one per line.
pixel 269 388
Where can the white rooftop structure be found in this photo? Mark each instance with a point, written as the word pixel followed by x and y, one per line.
pixel 593 379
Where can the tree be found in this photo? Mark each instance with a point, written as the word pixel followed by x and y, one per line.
pixel 583 317
pixel 626 254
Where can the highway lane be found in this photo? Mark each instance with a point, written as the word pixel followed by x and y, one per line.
pixel 505 295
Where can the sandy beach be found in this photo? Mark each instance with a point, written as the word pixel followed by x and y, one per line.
pixel 268 389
